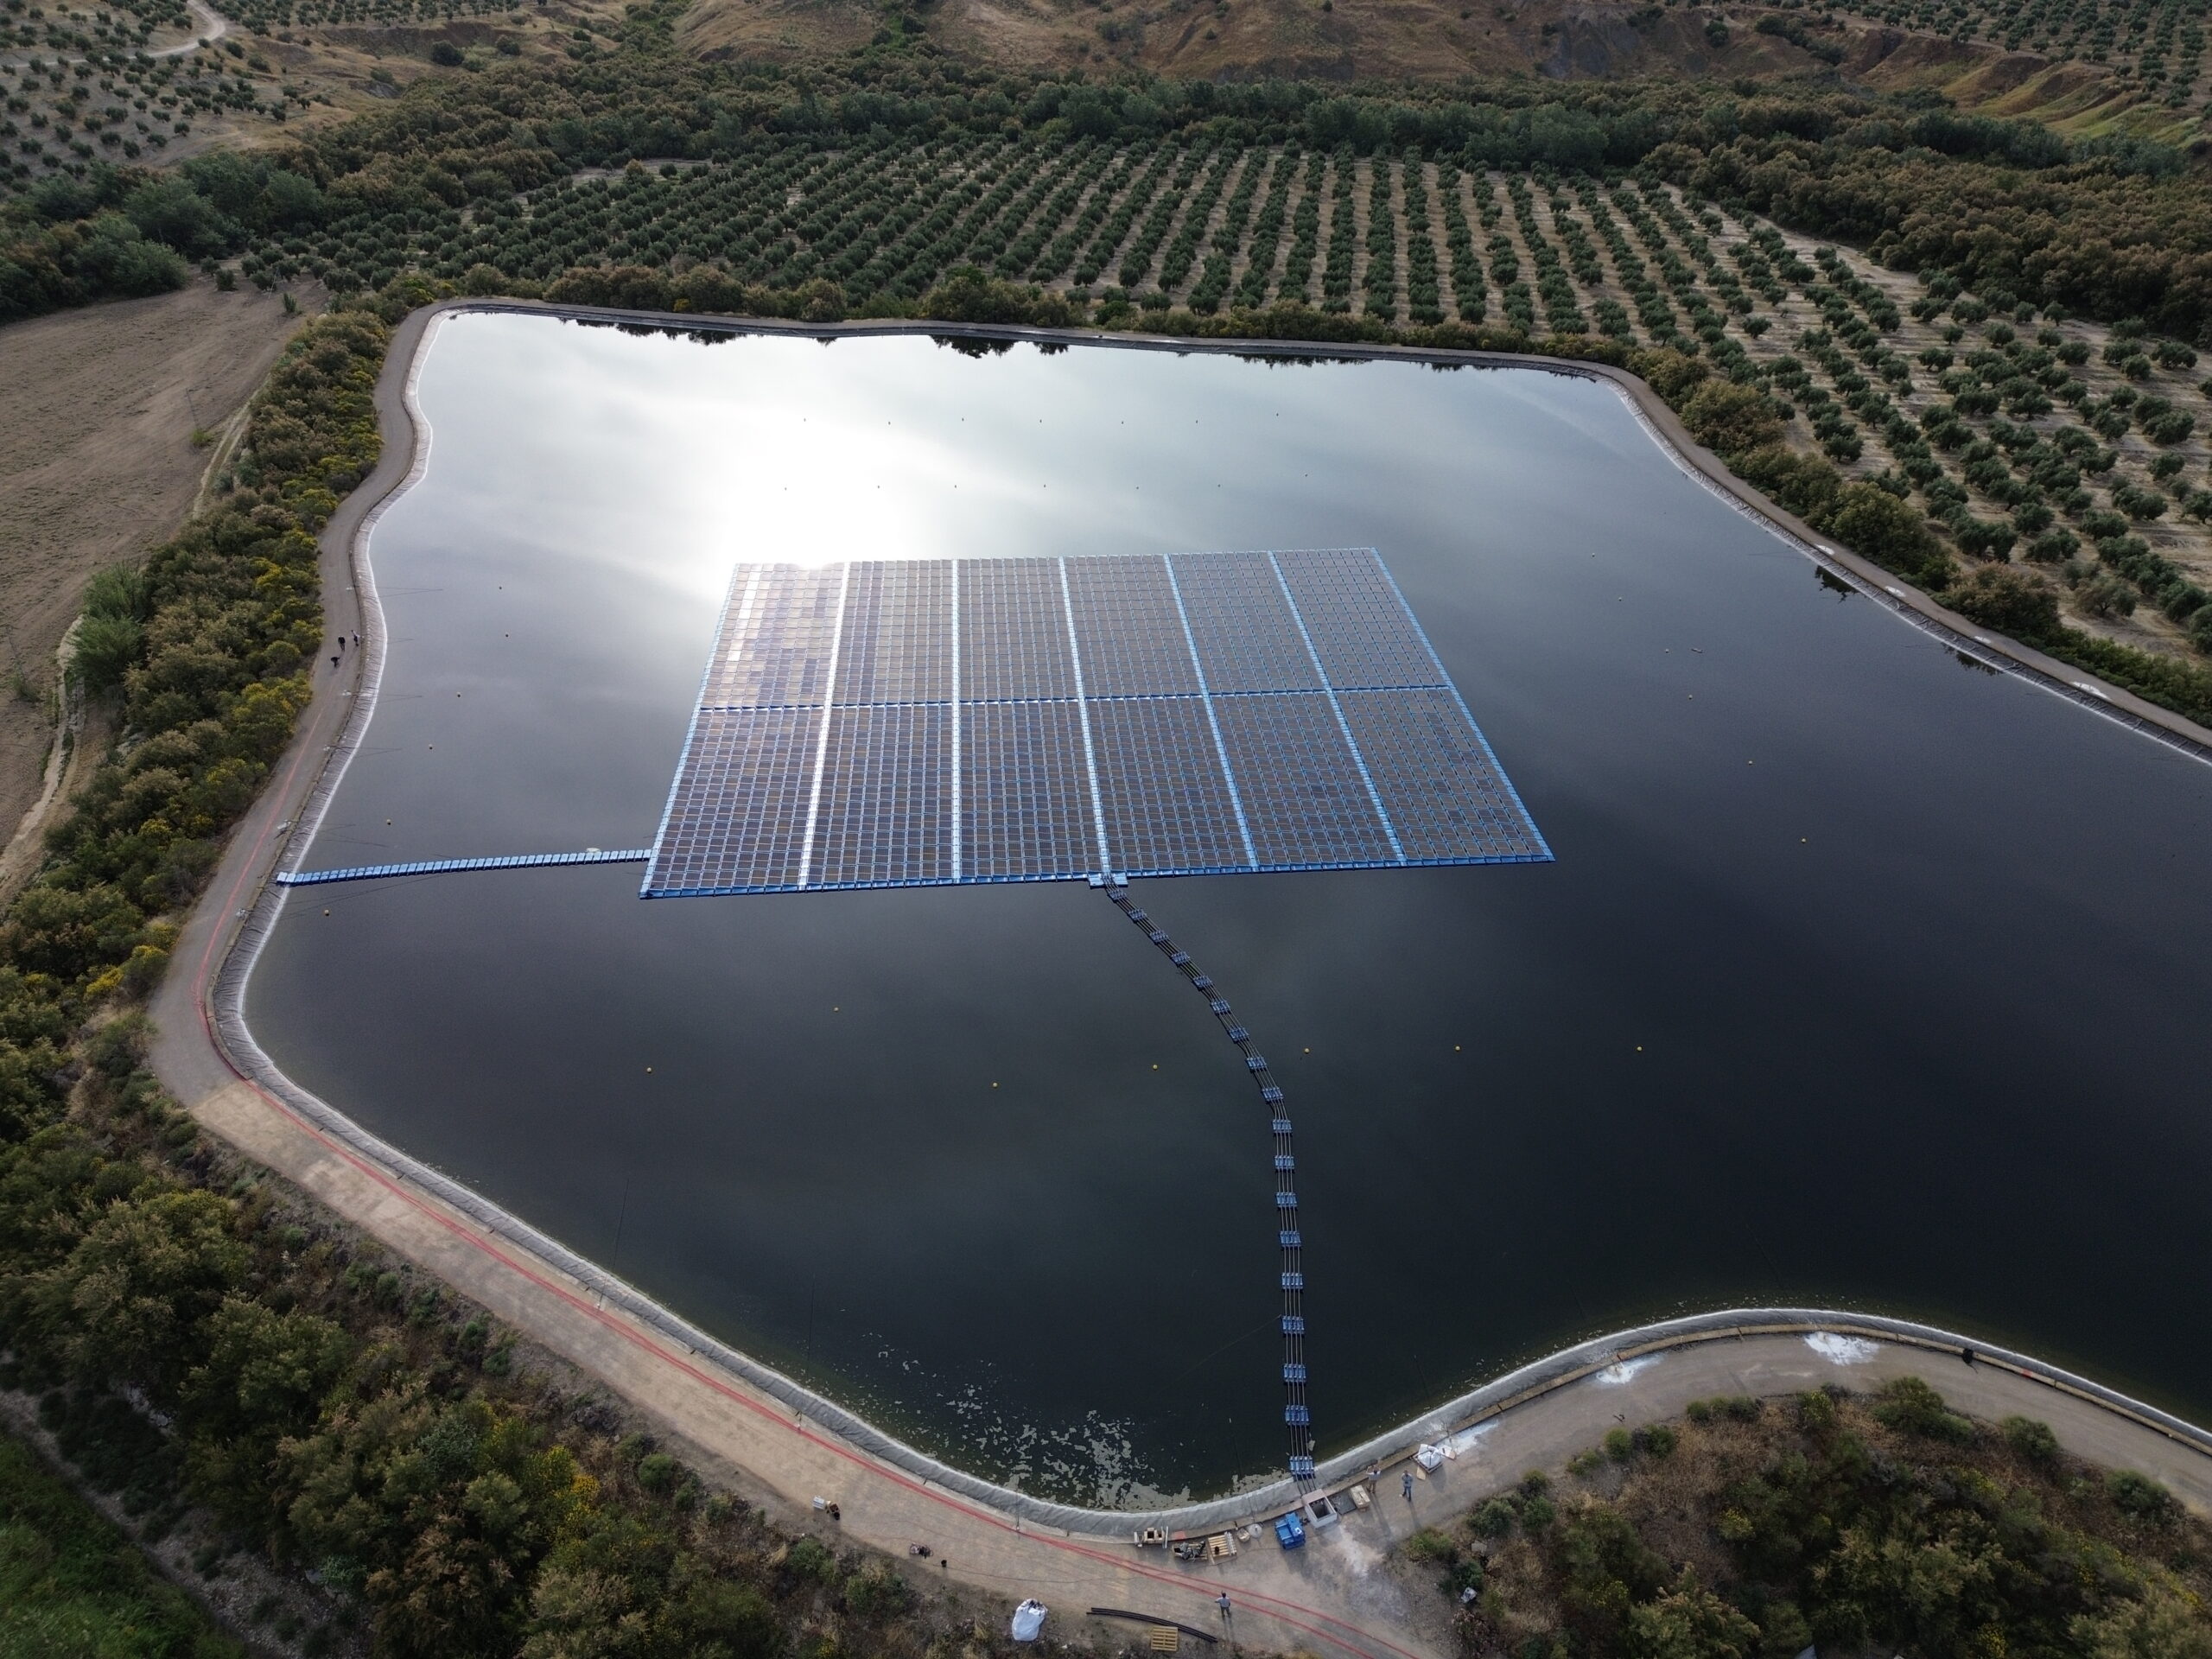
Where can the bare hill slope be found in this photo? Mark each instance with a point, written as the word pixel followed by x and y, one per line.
pixel 1433 40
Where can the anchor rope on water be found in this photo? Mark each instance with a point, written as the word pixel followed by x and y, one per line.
pixel 1297 1416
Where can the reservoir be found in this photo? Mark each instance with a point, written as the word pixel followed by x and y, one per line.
pixel 1865 977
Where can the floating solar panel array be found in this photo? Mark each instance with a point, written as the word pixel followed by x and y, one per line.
pixel 917 722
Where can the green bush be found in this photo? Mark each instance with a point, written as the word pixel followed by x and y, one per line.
pixel 1731 419
pixel 111 634
pixel 968 295
pixel 2010 600
pixel 876 1593
pixel 1909 1405
pixel 1689 1622
pixel 1430 1545
pixel 1670 373
pixel 2139 1496
pixel 1876 525
pixel 1495 1519
pixel 809 1559
pixel 2031 1439
pixel 1806 485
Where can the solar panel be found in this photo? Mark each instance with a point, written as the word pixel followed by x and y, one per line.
pixel 913 722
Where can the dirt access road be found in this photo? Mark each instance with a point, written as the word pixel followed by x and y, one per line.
pixel 97 463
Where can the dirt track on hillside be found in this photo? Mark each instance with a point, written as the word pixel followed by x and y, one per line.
pixel 96 461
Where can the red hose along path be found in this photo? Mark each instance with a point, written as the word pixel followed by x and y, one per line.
pixel 1274 1606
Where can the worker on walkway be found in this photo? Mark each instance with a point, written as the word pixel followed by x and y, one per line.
pixel 1405 1483
pixel 1222 1602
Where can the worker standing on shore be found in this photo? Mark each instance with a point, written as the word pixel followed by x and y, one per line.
pixel 1405 1482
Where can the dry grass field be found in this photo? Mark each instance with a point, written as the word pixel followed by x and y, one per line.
pixel 97 460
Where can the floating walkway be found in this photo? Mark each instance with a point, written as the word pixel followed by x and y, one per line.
pixel 440 866
pixel 1297 1416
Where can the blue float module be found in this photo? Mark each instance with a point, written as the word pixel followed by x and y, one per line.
pixel 442 866
pixel 922 722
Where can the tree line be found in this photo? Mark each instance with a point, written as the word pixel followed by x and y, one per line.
pixel 201 1340
pixel 2108 227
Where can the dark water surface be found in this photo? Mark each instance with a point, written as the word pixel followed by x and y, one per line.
pixel 1864 978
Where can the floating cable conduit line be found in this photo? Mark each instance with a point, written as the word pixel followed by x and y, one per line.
pixel 1297 1416
pixel 440 866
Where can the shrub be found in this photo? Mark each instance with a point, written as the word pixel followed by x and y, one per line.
pixel 716 1617
pixel 876 1593
pixel 1690 1622
pixel 1430 1545
pixel 1816 1413
pixel 1908 1404
pixel 966 294
pixel 1876 525
pixel 1730 419
pixel 1668 373
pixel 1806 485
pixel 107 648
pixel 1495 1519
pixel 2139 1496
pixel 2031 1439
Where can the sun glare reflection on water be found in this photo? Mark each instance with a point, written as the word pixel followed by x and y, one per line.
pixel 965 1157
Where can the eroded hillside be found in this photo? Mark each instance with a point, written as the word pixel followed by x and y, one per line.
pixel 1445 40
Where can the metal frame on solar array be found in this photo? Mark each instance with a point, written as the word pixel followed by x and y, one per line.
pixel 920 722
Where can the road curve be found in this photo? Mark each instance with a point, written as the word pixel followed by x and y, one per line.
pixel 766 1436
pixel 213 26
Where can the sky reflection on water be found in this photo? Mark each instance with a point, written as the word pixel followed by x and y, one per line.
pixel 1862 979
